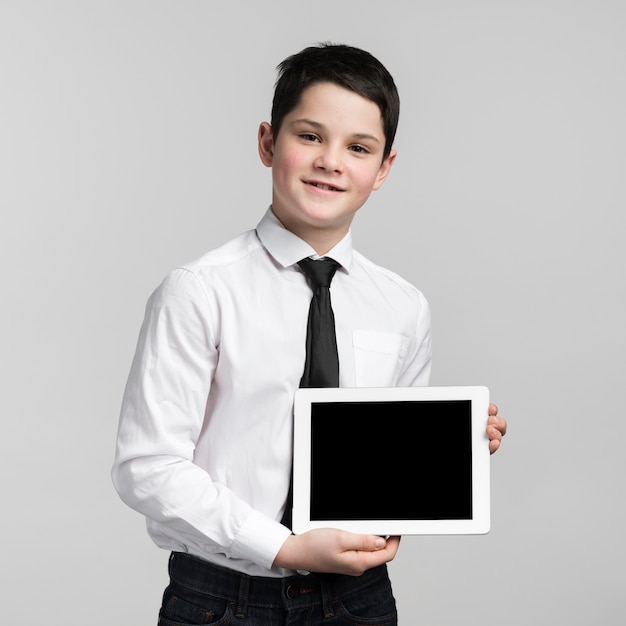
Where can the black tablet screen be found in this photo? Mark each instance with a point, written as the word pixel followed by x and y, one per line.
pixel 399 460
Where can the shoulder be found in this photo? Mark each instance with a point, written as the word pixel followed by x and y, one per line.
pixel 214 268
pixel 237 250
pixel 387 281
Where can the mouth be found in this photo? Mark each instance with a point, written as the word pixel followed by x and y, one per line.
pixel 323 186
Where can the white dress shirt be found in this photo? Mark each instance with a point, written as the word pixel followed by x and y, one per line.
pixel 205 434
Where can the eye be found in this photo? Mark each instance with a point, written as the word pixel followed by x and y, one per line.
pixel 359 149
pixel 309 137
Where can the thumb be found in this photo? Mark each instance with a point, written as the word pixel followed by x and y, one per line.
pixel 371 543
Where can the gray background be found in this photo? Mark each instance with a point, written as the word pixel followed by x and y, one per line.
pixel 128 146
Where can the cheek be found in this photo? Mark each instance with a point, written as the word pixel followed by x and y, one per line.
pixel 286 165
pixel 365 180
pixel 296 158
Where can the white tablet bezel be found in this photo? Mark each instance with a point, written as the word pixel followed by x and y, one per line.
pixel 480 459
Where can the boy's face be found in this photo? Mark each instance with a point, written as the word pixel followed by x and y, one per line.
pixel 326 160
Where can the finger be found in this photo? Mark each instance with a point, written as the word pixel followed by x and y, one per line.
pixel 388 552
pixel 494 444
pixel 494 433
pixel 502 426
pixel 393 542
pixel 365 543
pixel 374 543
pixel 497 422
pixel 493 419
pixel 364 560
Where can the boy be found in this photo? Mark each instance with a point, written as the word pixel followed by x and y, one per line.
pixel 204 443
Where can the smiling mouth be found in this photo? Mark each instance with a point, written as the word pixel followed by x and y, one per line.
pixel 324 186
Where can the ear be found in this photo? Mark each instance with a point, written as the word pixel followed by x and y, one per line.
pixel 266 144
pixel 384 170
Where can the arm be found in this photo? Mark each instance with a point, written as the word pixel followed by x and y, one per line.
pixel 161 420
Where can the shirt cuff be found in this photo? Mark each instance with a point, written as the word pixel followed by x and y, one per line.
pixel 259 539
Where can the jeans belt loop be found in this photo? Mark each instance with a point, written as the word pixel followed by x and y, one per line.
pixel 242 600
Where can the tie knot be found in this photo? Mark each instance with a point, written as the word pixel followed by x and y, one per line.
pixel 320 271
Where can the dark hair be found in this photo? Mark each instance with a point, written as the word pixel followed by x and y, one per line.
pixel 345 66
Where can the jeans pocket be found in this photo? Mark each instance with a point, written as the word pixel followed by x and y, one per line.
pixel 194 609
pixel 356 615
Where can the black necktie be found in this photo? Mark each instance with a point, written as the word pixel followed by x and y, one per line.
pixel 321 366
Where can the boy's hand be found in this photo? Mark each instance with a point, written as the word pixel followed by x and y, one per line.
pixel 332 551
pixel 496 428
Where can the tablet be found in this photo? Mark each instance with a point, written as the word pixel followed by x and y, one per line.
pixel 392 461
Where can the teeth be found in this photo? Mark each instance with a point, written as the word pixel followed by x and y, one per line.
pixel 326 187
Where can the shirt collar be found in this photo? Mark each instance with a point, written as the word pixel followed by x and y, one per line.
pixel 287 248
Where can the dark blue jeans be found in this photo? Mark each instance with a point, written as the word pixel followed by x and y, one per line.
pixel 201 593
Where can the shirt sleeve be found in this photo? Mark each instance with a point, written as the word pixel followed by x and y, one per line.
pixel 162 414
pixel 418 361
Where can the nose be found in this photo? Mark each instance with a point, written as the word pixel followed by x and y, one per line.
pixel 329 159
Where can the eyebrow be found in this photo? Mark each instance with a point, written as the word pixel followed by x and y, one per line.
pixel 317 125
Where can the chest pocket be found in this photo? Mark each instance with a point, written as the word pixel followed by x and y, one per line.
pixel 377 357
